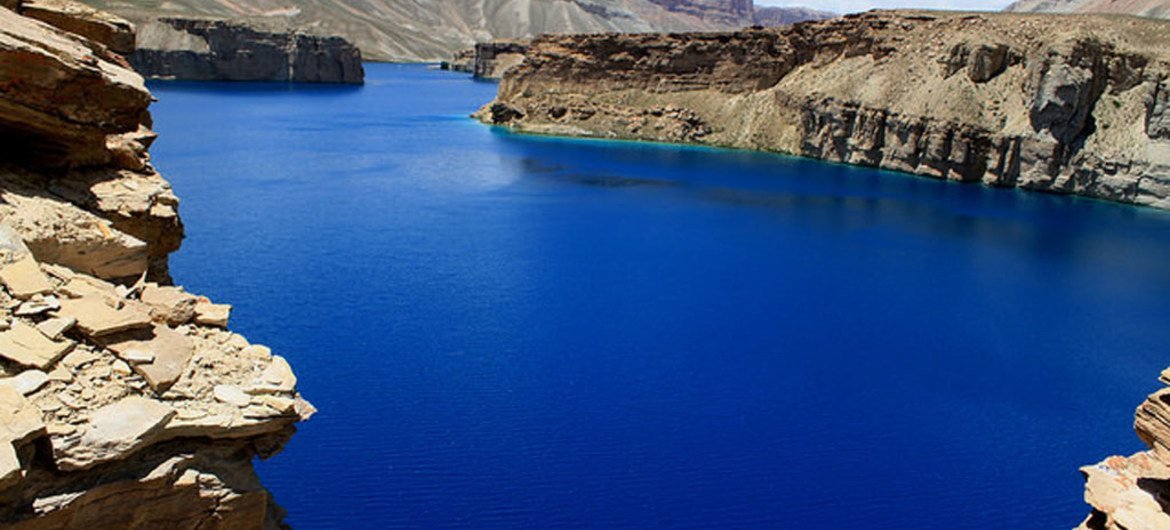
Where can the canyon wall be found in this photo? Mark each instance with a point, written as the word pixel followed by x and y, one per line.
pixel 125 402
pixel 488 60
pixel 216 50
pixel 1074 104
pixel 433 30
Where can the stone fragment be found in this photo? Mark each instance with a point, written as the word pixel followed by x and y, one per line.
pixel 114 432
pixel 138 356
pixel 169 304
pixel 171 352
pixel 54 328
pixel 277 378
pixel 232 395
pixel 26 382
pixel 95 317
pixel 26 346
pixel 210 314
pixel 23 278
pixel 38 304
pixel 20 423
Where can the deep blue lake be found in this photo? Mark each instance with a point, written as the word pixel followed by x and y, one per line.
pixel 504 331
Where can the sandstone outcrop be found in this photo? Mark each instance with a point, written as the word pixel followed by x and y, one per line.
pixel 1131 492
pixel 1060 104
pixel 112 404
pixel 218 50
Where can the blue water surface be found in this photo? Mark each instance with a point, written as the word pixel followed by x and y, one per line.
pixel 504 331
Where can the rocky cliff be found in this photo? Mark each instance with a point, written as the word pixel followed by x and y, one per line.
pixel 125 402
pixel 488 60
pixel 783 16
pixel 1072 104
pixel 217 50
pixel 1131 493
pixel 432 30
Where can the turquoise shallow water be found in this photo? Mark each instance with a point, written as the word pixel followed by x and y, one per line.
pixel 505 331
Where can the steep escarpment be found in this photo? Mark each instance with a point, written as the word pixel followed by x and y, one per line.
pixel 1131 492
pixel 125 402
pixel 433 30
pixel 216 50
pixel 1061 104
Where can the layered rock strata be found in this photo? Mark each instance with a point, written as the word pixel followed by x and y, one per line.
pixel 1131 493
pixel 218 50
pixel 432 30
pixel 124 401
pixel 1072 104
pixel 489 60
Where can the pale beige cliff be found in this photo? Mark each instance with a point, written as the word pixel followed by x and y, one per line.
pixel 1075 104
pixel 125 402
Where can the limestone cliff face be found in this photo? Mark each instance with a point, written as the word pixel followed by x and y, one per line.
pixel 124 401
pixel 1061 104
pixel 217 50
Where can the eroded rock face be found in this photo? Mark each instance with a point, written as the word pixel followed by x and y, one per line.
pixel 216 50
pixel 489 60
pixel 1044 103
pixel 112 408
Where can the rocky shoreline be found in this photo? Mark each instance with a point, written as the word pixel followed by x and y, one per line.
pixel 125 402
pixel 1073 105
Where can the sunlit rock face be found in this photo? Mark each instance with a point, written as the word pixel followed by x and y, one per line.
pixel 125 402
pixel 1059 104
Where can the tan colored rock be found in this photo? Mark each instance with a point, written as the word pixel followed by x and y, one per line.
pixel 24 278
pixel 232 395
pixel 26 382
pixel 25 345
pixel 55 328
pixel 114 432
pixel 277 378
pixel 169 304
pixel 112 31
pixel 95 317
pixel 168 350
pixel 20 423
pixel 210 314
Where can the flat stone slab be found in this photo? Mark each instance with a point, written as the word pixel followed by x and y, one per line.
pixel 24 278
pixel 277 378
pixel 26 345
pixel 26 382
pixel 210 314
pixel 95 317
pixel 114 432
pixel 160 356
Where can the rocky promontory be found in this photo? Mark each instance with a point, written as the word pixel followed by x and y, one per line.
pixel 1069 104
pixel 1130 493
pixel 219 50
pixel 125 401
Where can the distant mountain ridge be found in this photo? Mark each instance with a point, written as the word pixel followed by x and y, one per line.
pixel 431 30
pixel 1143 8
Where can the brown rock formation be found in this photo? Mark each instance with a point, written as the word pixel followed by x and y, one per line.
pixel 1061 104
pixel 124 403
